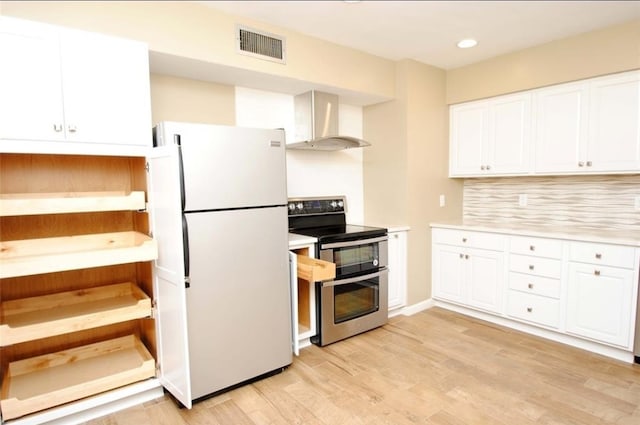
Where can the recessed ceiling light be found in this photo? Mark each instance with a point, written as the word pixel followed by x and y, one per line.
pixel 466 43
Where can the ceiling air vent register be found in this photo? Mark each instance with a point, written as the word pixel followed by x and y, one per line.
pixel 260 44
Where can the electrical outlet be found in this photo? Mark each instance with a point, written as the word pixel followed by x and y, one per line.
pixel 442 201
pixel 522 200
pixel 638 203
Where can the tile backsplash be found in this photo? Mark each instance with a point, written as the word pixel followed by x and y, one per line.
pixel 596 202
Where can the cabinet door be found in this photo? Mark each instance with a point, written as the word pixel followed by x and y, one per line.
pixel 106 89
pixel 169 285
pixel 30 86
pixel 509 135
pixel 485 276
pixel 599 303
pixel 561 129
pixel 469 132
pixel 397 269
pixel 448 281
pixel 614 117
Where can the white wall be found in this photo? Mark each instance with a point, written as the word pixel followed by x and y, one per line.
pixel 310 173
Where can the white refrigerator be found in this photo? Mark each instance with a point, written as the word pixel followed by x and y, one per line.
pixel 218 197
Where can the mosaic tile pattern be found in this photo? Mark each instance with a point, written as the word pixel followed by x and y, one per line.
pixel 593 202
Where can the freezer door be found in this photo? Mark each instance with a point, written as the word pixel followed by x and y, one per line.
pixel 239 311
pixel 228 167
pixel 168 274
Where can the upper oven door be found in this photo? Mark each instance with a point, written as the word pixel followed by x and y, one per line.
pixel 357 256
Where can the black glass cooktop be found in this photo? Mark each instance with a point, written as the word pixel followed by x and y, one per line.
pixel 341 232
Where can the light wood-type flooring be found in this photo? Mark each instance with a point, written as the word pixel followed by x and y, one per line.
pixel 435 367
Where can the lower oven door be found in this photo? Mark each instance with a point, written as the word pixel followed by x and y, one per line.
pixel 350 306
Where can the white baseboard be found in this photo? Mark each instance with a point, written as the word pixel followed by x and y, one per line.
pixel 410 310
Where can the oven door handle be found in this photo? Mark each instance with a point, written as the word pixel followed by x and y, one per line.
pixel 328 283
pixel 353 243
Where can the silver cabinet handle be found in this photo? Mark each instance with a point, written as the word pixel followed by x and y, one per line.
pixel 466 257
pixel 482 167
pixel 57 128
pixel 532 248
pixel 531 267
pixel 530 286
pixel 589 163
pixel 598 256
pixel 488 167
pixel 580 164
pixel 464 239
pixel 72 128
pixel 596 272
pixel 461 255
pixel 529 309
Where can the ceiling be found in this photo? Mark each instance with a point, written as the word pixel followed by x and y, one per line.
pixel 428 31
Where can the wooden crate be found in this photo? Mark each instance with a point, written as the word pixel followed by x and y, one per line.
pixel 16 204
pixel 47 255
pixel 41 382
pixel 45 316
pixel 314 270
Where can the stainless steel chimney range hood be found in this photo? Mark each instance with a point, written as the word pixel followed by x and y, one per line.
pixel 316 119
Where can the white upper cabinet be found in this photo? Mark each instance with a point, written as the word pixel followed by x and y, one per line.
pixel 30 82
pixel 66 85
pixel 491 137
pixel 614 123
pixel 591 126
pixel 561 128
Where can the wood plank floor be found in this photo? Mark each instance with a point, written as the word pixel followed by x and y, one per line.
pixel 436 367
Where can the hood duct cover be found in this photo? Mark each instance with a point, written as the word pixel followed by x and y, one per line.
pixel 317 124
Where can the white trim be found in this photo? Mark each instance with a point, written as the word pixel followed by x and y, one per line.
pixel 94 407
pixel 410 310
pixel 594 347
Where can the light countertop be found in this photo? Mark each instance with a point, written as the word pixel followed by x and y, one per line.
pixel 296 240
pixel 620 237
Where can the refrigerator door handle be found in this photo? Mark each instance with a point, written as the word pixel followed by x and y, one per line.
pixel 183 198
pixel 185 248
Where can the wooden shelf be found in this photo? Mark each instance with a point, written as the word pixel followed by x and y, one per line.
pixel 16 204
pixel 314 270
pixel 42 382
pixel 47 255
pixel 39 317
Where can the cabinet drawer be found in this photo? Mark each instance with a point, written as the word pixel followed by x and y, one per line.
pixel 539 247
pixel 607 255
pixel 538 285
pixel 535 266
pixel 534 308
pixel 469 239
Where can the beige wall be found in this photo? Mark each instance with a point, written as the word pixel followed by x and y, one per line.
pixel 601 52
pixel 179 99
pixel 407 171
pixel 194 31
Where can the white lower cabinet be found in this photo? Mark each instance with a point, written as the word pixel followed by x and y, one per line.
pixel 598 299
pixel 397 248
pixel 579 293
pixel 468 275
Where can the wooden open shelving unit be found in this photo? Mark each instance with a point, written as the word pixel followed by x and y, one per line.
pixel 75 279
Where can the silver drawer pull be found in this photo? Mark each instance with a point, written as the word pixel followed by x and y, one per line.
pixel 488 167
pixel 529 309
pixel 464 239
pixel 599 256
pixel 589 163
pixel 531 267
pixel 596 272
pixel 530 286
pixel 461 255
pixel 72 128
pixel 482 167
pixel 466 257
pixel 580 164
pixel 57 128
pixel 532 248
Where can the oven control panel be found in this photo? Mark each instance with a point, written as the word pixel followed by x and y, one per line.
pixel 313 206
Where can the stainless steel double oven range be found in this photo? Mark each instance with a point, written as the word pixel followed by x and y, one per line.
pixel 356 300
